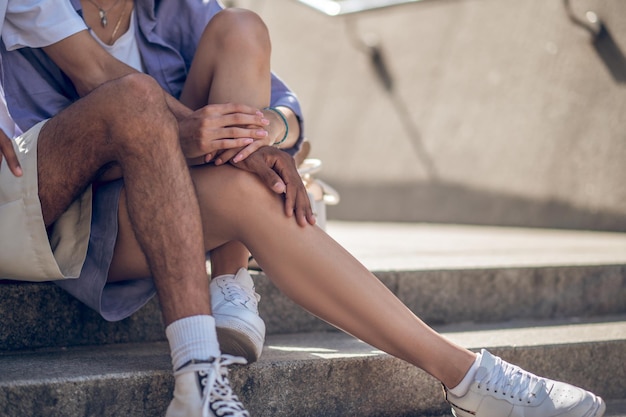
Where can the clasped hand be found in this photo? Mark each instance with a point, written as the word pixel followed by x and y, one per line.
pixel 224 131
pixel 237 133
pixel 278 171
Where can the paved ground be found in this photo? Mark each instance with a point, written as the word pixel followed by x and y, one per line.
pixel 435 246
pixel 614 409
pixel 384 246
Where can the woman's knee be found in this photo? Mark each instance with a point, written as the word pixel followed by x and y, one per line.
pixel 237 28
pixel 228 188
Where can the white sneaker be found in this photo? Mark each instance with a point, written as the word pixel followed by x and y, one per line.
pixel 504 390
pixel 202 390
pixel 240 329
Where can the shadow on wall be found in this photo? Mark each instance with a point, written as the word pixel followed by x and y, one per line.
pixel 602 40
pixel 443 202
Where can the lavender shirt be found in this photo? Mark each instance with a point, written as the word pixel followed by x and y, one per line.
pixel 168 32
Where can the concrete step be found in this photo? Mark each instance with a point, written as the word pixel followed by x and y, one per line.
pixel 444 273
pixel 308 374
pixel 42 315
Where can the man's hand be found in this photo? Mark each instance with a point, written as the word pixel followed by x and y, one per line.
pixel 218 127
pixel 275 128
pixel 7 151
pixel 277 170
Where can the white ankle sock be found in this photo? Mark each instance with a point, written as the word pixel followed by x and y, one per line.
pixel 192 338
pixel 461 389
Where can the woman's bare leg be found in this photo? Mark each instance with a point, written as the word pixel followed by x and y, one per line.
pixel 229 258
pixel 231 65
pixel 232 62
pixel 317 273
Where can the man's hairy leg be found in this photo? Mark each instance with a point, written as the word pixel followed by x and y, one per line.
pixel 125 126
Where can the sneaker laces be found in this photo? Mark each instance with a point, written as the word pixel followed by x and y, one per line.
pixel 235 293
pixel 512 381
pixel 217 395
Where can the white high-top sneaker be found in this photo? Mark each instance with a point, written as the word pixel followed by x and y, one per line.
pixel 504 390
pixel 240 329
pixel 202 390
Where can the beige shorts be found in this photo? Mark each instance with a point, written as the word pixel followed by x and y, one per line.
pixel 27 251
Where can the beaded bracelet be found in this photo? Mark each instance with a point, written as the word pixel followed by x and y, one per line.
pixel 282 116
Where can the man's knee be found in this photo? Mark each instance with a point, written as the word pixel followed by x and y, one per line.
pixel 139 92
pixel 134 112
pixel 239 28
pixel 126 97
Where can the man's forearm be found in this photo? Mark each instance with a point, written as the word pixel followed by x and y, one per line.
pixel 88 65
pixel 85 62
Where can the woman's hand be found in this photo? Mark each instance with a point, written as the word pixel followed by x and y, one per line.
pixel 278 172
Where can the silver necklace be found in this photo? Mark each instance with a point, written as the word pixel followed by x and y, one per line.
pixel 103 13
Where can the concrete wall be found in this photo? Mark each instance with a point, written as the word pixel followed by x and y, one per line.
pixel 502 113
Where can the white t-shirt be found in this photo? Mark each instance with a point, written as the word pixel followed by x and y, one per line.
pixel 125 48
pixel 35 24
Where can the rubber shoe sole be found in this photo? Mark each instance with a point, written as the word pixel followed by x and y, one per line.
pixel 238 339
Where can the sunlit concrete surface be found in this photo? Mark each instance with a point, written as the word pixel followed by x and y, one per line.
pixel 384 246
